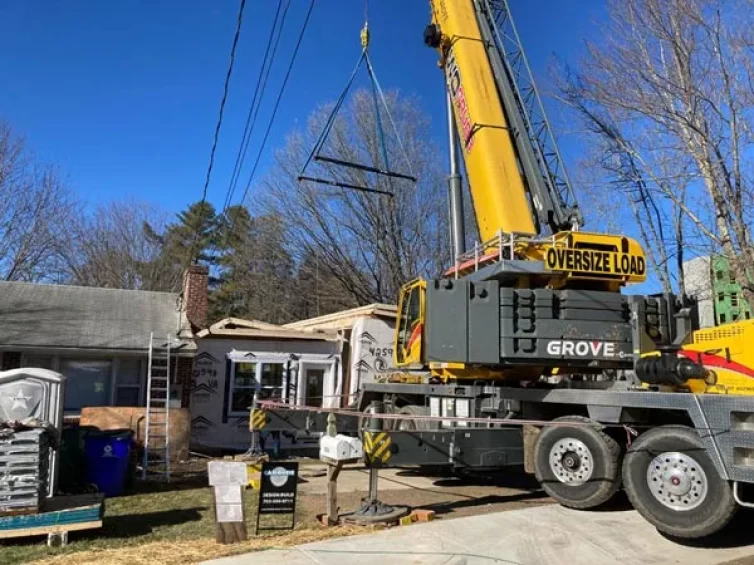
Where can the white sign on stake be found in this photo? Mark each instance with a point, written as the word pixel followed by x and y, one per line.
pixel 226 473
pixel 230 494
pixel 229 513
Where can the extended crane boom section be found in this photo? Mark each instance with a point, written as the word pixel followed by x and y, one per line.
pixel 517 182
pixel 563 211
pixel 498 191
pixel 523 201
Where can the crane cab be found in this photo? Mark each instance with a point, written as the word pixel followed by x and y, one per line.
pixel 409 325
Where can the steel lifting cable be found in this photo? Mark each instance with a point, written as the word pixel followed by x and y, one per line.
pixel 377 95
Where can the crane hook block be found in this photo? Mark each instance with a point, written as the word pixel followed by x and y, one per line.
pixel 365 36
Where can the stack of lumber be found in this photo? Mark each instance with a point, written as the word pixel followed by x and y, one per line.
pixel 24 470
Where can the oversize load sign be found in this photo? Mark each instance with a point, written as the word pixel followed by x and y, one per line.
pixel 277 494
pixel 591 261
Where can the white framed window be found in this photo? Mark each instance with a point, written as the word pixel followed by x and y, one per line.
pixel 248 377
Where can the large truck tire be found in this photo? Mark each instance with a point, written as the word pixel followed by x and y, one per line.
pixel 578 466
pixel 672 482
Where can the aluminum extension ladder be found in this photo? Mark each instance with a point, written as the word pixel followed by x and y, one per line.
pixel 156 462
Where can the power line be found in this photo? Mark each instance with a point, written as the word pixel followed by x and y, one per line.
pixel 224 99
pixel 272 118
pixel 277 102
pixel 251 118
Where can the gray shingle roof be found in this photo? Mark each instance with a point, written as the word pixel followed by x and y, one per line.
pixel 59 316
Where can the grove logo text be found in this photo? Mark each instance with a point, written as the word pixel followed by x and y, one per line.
pixel 581 348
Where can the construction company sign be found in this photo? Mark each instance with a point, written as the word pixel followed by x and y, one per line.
pixel 591 261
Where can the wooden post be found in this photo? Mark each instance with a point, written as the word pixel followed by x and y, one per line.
pixel 333 470
pixel 228 532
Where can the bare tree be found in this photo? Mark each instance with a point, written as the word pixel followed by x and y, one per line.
pixel 112 248
pixel 368 244
pixel 35 212
pixel 669 95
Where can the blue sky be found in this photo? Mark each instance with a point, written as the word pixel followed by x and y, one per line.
pixel 123 96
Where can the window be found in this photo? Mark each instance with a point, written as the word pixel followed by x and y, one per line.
pixel 87 382
pixel 720 275
pixel 38 361
pixel 734 300
pixel 243 385
pixel 272 379
pixel 721 297
pixel 722 318
pixel 409 320
pixel 247 378
pixel 128 382
pixel 747 315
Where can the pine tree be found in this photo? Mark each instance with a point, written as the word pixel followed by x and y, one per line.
pixel 255 269
pixel 190 239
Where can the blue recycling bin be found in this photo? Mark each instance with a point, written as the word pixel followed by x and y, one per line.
pixel 107 459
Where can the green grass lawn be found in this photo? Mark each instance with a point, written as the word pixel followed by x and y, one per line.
pixel 164 515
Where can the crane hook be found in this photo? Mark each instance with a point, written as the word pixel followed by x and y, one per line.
pixel 365 36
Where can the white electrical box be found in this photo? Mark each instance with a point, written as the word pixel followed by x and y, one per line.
pixel 340 448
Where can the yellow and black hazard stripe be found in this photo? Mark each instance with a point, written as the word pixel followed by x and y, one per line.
pixel 377 447
pixel 257 419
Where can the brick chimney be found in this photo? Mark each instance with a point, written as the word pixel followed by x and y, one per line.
pixel 195 295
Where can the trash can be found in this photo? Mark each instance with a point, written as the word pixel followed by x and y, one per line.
pixel 107 457
pixel 73 463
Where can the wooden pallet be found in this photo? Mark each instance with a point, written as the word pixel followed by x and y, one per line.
pixel 59 516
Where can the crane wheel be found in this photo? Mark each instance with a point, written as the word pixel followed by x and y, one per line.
pixel 672 482
pixel 578 466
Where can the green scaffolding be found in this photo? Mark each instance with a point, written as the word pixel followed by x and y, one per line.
pixel 730 304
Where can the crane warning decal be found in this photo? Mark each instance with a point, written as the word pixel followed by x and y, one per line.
pixel 591 261
pixel 458 96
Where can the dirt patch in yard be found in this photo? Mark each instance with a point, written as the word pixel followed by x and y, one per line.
pixel 194 550
pixel 171 524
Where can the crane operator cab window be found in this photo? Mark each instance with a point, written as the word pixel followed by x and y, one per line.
pixel 410 324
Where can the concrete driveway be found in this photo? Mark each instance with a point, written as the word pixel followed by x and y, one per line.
pixel 547 535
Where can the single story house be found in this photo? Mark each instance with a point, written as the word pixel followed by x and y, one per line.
pixel 367 336
pixel 237 358
pixel 320 362
pixel 99 338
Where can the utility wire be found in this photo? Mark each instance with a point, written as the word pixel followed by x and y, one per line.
pixel 251 118
pixel 272 120
pixel 216 139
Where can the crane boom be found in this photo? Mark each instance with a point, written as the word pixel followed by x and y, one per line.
pixel 517 180
pixel 486 144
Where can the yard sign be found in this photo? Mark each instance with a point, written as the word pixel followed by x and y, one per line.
pixel 228 479
pixel 277 494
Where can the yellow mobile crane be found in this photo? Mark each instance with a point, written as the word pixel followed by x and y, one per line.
pixel 528 353
pixel 531 324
